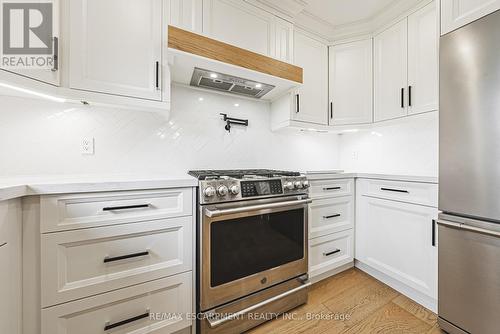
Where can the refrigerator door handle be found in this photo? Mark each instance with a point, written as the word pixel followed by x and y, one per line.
pixel 469 228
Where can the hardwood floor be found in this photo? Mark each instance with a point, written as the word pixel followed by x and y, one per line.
pixel 353 302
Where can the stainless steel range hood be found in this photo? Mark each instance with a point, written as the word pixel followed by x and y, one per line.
pixel 206 63
pixel 228 83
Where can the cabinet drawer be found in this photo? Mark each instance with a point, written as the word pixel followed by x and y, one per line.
pixel 330 215
pixel 330 252
pixel 409 192
pixel 332 188
pixel 81 263
pixel 150 304
pixel 75 211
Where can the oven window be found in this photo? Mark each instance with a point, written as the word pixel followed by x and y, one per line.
pixel 245 246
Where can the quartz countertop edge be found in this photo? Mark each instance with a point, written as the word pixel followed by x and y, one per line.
pixel 10 189
pixel 15 189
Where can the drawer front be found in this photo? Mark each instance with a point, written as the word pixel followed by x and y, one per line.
pixel 158 307
pixel 332 188
pixel 330 215
pixel 75 211
pixel 409 192
pixel 330 252
pixel 81 263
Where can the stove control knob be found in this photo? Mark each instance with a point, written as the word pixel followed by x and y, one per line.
pixel 298 185
pixel 222 190
pixel 209 191
pixel 288 185
pixel 305 184
pixel 234 189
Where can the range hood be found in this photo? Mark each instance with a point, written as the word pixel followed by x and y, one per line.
pixel 203 62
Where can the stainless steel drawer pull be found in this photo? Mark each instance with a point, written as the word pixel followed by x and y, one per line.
pixel 3 244
pixel 109 326
pixel 332 188
pixel 124 257
pixel 126 207
pixel 331 253
pixel 395 190
pixel 217 322
pixel 332 216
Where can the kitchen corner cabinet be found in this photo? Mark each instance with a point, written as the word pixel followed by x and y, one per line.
pixel 118 56
pixel 351 72
pixel 10 267
pixel 457 13
pixel 406 66
pixel 51 75
pixel 395 235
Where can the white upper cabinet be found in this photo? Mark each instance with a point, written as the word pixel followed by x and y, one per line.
pixel 246 26
pixel 116 47
pixel 457 13
pixel 312 97
pixel 390 72
pixel 49 75
pixel 351 73
pixel 423 60
pixel 185 14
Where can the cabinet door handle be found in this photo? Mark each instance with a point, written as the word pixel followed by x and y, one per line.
pixel 124 257
pixel 297 101
pixel 409 96
pixel 55 65
pixel 331 253
pixel 433 233
pixel 332 188
pixel 109 326
pixel 157 76
pixel 395 190
pixel 332 216
pixel 402 97
pixel 126 207
pixel 3 243
pixel 331 110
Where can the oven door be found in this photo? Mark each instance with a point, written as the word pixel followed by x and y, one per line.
pixel 248 246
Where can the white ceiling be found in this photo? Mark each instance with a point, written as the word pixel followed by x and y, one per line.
pixel 339 12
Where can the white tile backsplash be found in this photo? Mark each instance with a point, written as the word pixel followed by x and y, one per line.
pixel 408 146
pixel 44 138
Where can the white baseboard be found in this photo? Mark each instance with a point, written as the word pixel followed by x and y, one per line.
pixel 404 289
pixel 330 273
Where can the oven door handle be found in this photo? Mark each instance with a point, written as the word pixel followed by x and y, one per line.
pixel 218 322
pixel 217 213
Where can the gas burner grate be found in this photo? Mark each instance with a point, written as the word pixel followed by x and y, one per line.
pixel 240 173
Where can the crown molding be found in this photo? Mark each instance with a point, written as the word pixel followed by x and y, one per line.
pixel 295 12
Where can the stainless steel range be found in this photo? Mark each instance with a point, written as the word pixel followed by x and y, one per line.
pixel 251 247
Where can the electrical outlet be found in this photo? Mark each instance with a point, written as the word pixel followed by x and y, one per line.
pixel 355 155
pixel 88 146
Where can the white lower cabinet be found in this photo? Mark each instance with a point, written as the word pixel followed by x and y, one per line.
pixel 330 252
pixel 158 307
pixel 397 240
pixel 10 267
pixel 97 260
pixel 331 223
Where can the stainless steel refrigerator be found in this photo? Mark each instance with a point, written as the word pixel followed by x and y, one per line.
pixel 469 179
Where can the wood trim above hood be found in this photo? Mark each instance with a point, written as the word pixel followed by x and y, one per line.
pixel 203 46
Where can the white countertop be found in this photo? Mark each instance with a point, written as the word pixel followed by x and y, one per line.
pixel 42 185
pixel 394 177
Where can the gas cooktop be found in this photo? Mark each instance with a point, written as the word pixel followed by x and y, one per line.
pixel 239 174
